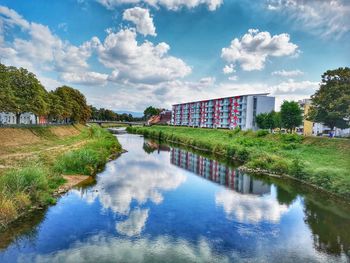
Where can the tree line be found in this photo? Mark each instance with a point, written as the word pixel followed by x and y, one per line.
pixel 21 92
pixel 330 105
pixel 109 115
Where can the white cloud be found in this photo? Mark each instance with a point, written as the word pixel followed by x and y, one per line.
pixel 323 18
pixel 286 73
pixel 228 69
pixel 142 20
pixel 117 191
pixel 85 78
pixel 42 50
pixel 134 224
pixel 252 50
pixel 250 208
pixel 9 17
pixel 100 248
pixel 169 4
pixel 140 63
pixel 233 78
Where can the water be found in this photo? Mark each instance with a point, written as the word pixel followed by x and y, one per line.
pixel 159 203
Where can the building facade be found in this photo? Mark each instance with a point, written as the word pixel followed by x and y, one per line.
pixel 228 112
pixel 8 118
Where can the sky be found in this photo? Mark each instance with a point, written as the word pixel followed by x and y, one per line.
pixel 125 55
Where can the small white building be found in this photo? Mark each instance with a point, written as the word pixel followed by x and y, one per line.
pixel 10 118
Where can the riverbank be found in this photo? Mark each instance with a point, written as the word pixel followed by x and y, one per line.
pixel 322 162
pixel 34 162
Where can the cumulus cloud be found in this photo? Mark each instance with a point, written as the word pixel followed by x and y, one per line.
pixel 322 18
pixel 169 4
pixel 287 73
pixel 250 208
pixel 42 50
pixel 142 20
pixel 140 63
pixel 252 50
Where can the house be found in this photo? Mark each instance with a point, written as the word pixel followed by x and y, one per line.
pixel 9 118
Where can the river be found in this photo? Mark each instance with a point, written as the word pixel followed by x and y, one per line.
pixel 161 203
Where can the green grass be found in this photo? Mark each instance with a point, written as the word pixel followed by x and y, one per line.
pixel 33 183
pixel 90 158
pixel 322 162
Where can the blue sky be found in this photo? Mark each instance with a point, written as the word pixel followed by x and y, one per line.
pixel 128 54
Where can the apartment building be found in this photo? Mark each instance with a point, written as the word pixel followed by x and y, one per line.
pixel 228 112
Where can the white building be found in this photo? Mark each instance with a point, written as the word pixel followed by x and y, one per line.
pixel 10 118
pixel 228 112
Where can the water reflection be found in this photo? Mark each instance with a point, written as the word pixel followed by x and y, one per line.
pixel 245 203
pixel 152 205
pixel 161 249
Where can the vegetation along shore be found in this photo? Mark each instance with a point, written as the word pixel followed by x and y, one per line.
pixel 321 162
pixel 33 162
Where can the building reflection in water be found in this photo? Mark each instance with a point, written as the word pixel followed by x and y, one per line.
pixel 217 172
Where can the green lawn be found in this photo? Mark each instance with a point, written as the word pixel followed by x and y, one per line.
pixel 323 162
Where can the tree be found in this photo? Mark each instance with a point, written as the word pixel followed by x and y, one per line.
pixel 277 120
pixel 261 120
pixel 30 95
pixel 151 111
pixel 56 107
pixel 291 115
pixel 7 97
pixel 267 120
pixel 331 102
pixel 74 102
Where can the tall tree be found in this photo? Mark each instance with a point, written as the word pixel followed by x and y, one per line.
pixel 291 115
pixel 7 97
pixel 30 95
pixel 75 106
pixel 331 102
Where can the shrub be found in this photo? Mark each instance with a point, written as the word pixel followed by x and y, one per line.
pixel 262 133
pixel 231 151
pixel 289 146
pixel 236 130
pixel 297 169
pixel 291 138
pixel 242 155
pixel 219 149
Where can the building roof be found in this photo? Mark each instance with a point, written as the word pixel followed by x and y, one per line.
pixel 254 94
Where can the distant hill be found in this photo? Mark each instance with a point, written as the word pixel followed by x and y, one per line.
pixel 133 113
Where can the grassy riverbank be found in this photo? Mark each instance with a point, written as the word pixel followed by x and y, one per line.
pixel 31 172
pixel 322 162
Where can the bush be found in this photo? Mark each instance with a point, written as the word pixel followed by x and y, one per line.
pixel 236 130
pixel 242 155
pixel 289 146
pixel 262 133
pixel 291 138
pixel 297 169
